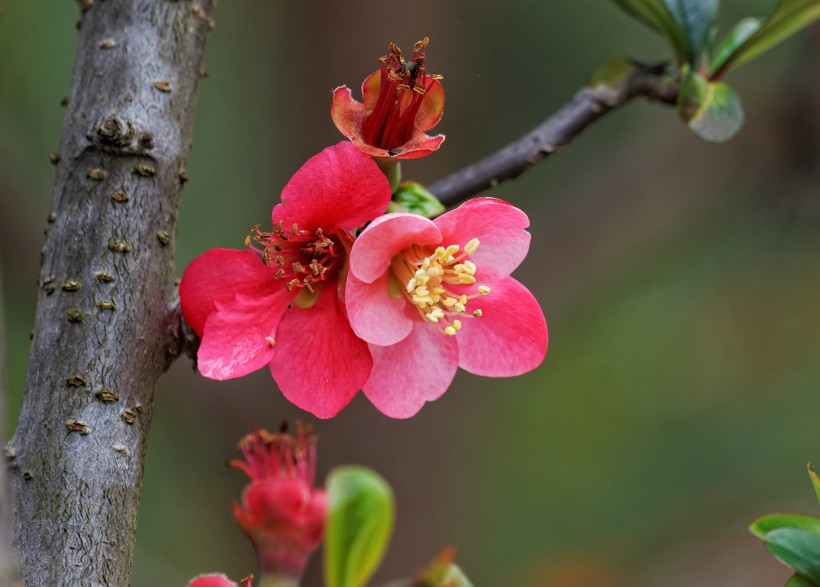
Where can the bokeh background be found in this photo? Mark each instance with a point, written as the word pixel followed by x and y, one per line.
pixel 681 283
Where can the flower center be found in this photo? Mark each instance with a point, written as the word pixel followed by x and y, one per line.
pixel 303 259
pixel 401 92
pixel 431 280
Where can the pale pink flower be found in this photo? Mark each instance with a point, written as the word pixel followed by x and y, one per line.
pixel 430 296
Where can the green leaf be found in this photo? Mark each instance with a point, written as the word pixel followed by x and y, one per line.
pixel 736 37
pixel 612 72
pixel 695 17
pixel 360 521
pixel 798 549
pixel 766 524
pixel 815 481
pixel 789 17
pixel 799 581
pixel 412 197
pixel 712 110
pixel 655 15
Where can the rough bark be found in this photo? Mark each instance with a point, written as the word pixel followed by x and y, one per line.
pixel 106 283
pixel 8 559
pixel 588 105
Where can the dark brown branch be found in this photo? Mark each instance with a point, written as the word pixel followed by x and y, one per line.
pixel 8 559
pixel 588 105
pixel 106 283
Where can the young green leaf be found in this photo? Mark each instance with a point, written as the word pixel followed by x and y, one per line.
pixel 360 521
pixel 712 110
pixel 414 198
pixel 799 581
pixel 798 549
pixel 442 572
pixel 612 71
pixel 655 15
pixel 695 17
pixel 769 523
pixel 789 17
pixel 736 37
pixel 815 481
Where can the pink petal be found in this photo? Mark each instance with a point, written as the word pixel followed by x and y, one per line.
pixel 221 273
pixel 510 338
pixel 320 363
pixel 238 337
pixel 347 114
pixel 500 228
pixel 420 145
pixel 374 315
pixel 419 369
pixel 212 581
pixel 341 187
pixel 387 235
pixel 432 107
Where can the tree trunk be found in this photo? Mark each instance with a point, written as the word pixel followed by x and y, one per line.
pixel 103 325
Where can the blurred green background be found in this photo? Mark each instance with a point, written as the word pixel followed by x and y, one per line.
pixel 681 283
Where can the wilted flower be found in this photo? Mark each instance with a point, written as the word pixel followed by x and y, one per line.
pixel 430 296
pixel 281 303
pixel 281 511
pixel 401 103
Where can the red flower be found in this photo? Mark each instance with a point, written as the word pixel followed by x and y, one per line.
pixel 281 512
pixel 281 304
pixel 401 103
pixel 218 581
pixel 430 296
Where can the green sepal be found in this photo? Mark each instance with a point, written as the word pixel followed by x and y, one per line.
pixel 712 110
pixel 414 198
pixel 789 17
pixel 762 526
pixel 360 521
pixel 392 170
pixel 695 18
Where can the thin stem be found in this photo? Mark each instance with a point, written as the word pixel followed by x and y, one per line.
pixel 557 131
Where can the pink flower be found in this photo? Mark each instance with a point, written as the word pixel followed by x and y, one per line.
pixel 282 303
pixel 218 581
pixel 432 296
pixel 401 103
pixel 281 512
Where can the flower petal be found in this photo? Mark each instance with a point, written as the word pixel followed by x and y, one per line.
pixel 221 273
pixel 341 187
pixel 420 145
pixel 432 107
pixel 386 236
pixel 320 363
pixel 376 316
pixel 347 114
pixel 419 369
pixel 239 336
pixel 371 87
pixel 510 337
pixel 499 226
pixel 212 581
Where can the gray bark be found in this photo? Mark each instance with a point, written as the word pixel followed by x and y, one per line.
pixel 103 326
pixel 8 559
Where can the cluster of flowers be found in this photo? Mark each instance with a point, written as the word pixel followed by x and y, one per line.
pixel 392 310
